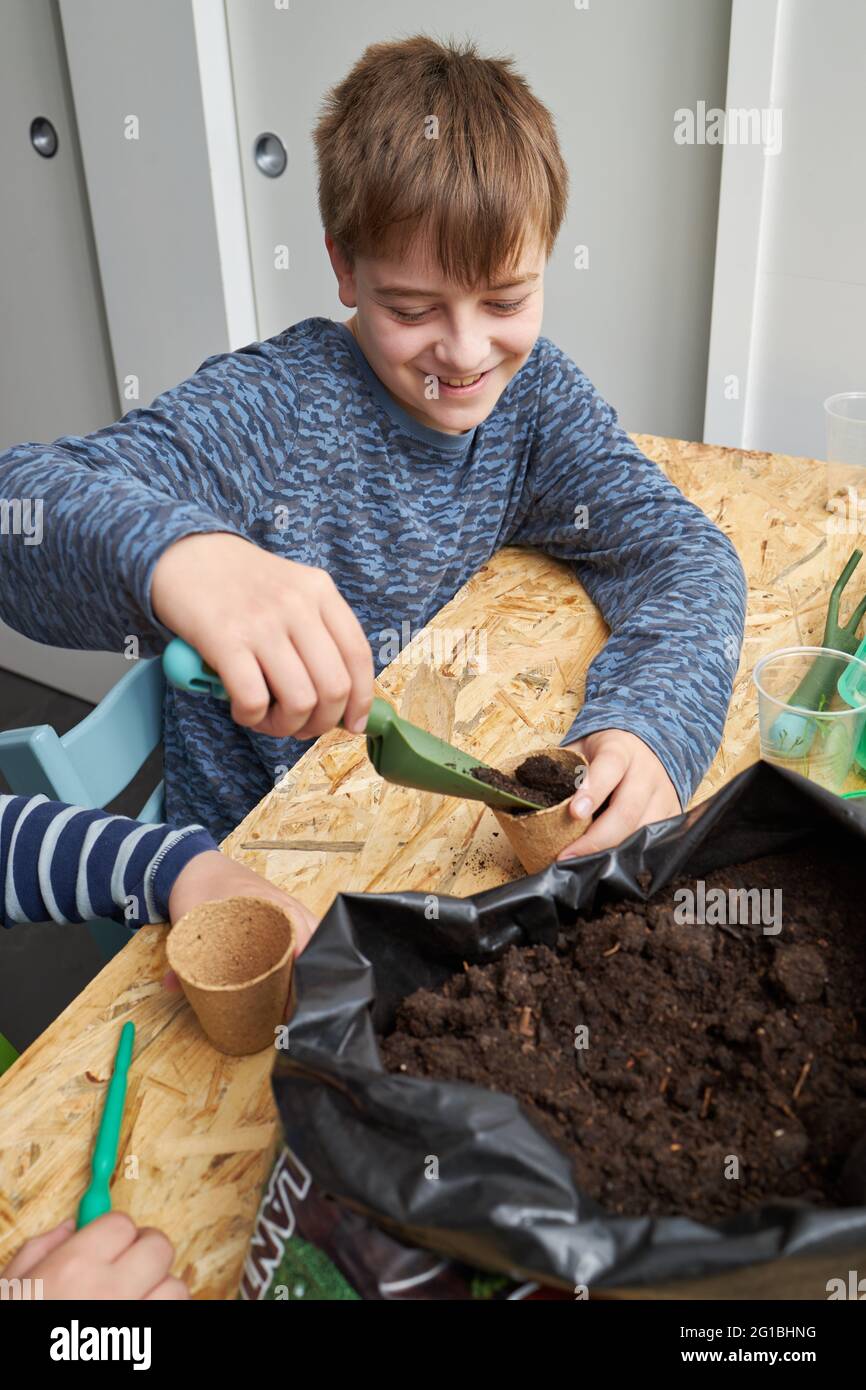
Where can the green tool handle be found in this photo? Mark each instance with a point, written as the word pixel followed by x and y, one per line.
pixel 97 1199
pixel 819 683
pixel 185 668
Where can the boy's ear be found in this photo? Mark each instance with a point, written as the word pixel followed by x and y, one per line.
pixel 343 271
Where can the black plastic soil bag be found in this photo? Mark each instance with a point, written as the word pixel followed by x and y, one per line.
pixel 505 1199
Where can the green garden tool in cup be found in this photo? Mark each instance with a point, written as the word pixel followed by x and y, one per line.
pixel 97 1199
pixel 819 743
pixel 852 688
pixel 399 751
pixel 792 732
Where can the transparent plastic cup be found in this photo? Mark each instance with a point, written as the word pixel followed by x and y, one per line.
pixel 818 743
pixel 845 418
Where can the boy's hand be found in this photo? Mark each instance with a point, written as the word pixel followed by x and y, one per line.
pixel 621 767
pixel 271 628
pixel 212 876
pixel 111 1258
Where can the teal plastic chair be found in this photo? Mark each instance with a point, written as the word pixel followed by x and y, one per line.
pixel 93 763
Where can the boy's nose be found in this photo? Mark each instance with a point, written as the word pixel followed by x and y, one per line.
pixel 463 353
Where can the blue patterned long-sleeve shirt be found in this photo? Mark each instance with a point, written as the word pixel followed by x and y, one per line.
pixel 66 864
pixel 294 444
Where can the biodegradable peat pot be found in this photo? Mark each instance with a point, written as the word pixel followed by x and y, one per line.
pixel 234 961
pixel 537 837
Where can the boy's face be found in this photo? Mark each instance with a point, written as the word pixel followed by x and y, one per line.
pixel 430 334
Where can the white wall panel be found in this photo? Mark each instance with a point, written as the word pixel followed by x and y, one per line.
pixel 790 295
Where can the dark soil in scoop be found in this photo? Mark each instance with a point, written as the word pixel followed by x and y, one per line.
pixel 725 1064
pixel 538 778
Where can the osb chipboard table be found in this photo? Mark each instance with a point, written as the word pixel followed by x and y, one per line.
pixel 502 666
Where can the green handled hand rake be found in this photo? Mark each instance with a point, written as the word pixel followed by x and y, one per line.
pixel 793 732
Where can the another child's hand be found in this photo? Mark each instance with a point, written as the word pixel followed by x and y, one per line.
pixel 621 767
pixel 112 1258
pixel 271 628
pixel 212 876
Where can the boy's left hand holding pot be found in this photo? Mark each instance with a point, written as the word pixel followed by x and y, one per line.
pixel 621 767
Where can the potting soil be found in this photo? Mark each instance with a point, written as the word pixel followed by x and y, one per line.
pixel 539 779
pixel 696 1068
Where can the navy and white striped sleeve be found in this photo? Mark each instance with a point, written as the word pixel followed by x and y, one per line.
pixel 68 864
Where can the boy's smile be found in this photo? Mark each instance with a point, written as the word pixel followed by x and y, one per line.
pixel 443 353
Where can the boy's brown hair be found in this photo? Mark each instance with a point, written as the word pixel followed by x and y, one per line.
pixel 489 181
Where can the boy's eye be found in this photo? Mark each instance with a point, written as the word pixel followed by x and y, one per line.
pixel 501 306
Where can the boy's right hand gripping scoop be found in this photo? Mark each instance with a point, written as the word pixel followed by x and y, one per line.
pixel 399 751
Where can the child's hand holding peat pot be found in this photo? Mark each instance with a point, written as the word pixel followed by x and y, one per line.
pixel 623 770
pixel 212 877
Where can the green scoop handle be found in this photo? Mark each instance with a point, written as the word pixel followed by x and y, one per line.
pixel 97 1199
pixel 399 751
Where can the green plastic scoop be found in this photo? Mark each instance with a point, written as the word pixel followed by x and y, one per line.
pixel 399 751
pixel 97 1199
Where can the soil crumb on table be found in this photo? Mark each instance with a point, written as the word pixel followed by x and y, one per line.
pixel 539 779
pixel 706 1043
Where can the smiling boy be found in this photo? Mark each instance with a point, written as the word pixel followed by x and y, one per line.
pixel 444 384
pixel 292 502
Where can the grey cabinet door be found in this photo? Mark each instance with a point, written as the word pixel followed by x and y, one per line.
pixel 55 361
pixel 56 372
